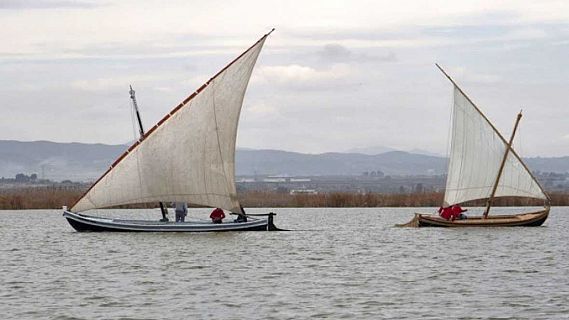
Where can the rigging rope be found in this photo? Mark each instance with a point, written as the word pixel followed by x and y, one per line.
pixel 133 122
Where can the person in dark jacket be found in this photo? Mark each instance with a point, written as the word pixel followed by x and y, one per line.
pixel 241 217
pixel 181 209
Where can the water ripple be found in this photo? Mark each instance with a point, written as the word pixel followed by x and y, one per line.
pixel 356 266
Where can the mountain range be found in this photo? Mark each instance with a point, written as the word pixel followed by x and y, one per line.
pixel 84 162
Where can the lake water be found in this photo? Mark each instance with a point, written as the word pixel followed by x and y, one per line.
pixel 341 263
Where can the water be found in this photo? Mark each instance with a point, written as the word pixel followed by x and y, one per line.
pixel 348 263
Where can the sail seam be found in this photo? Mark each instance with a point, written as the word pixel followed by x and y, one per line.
pixel 219 142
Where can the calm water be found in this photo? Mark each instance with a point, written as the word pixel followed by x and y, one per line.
pixel 347 263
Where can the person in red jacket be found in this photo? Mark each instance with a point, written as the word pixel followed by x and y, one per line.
pixel 452 212
pixel 445 212
pixel 217 215
pixel 457 212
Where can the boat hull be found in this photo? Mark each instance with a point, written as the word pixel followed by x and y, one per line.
pixel 533 219
pixel 85 223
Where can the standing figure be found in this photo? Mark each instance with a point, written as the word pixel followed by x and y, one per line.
pixel 181 211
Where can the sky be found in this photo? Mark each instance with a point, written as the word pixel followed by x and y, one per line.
pixel 334 76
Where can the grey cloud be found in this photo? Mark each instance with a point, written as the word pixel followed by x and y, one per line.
pixel 335 52
pixel 317 108
pixel 340 35
pixel 165 47
pixel 338 53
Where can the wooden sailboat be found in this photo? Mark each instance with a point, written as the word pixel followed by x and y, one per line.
pixel 188 156
pixel 483 165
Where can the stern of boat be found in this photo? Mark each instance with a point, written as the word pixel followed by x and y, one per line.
pixel 414 223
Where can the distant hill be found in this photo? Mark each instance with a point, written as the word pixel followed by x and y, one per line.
pixel 57 161
pixel 375 150
pixel 371 150
pixel 293 163
pixel 81 162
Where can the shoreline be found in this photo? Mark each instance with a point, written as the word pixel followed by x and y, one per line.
pixel 56 197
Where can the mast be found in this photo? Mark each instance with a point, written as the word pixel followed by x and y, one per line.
pixel 141 131
pixel 508 147
pixel 135 105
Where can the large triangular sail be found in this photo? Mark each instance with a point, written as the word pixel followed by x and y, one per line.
pixel 189 155
pixel 477 150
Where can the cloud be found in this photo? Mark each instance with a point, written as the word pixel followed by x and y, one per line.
pixel 111 84
pixel 479 33
pixel 335 52
pixel 333 75
pixel 464 74
pixel 298 76
pixel 164 89
pixel 262 108
pixel 48 4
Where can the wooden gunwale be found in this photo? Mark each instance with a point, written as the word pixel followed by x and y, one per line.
pixel 479 221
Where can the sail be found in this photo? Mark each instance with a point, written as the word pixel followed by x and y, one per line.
pixel 189 155
pixel 477 150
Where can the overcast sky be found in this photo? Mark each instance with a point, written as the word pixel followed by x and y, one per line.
pixel 335 75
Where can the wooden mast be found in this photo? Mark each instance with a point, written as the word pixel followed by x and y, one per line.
pixel 508 147
pixel 141 131
pixel 135 105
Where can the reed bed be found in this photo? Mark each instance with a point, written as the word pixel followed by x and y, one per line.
pixel 53 197
pixel 38 197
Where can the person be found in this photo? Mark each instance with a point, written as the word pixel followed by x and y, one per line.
pixel 445 212
pixel 451 213
pixel 241 217
pixel 217 215
pixel 457 212
pixel 181 209
pixel 164 211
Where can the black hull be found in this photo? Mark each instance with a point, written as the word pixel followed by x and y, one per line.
pixel 85 223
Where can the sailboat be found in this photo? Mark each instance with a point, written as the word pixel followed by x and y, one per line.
pixel 483 165
pixel 188 156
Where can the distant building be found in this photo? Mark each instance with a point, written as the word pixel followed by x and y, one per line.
pixel 303 191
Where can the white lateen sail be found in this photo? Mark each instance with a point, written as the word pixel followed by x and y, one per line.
pixel 477 150
pixel 190 155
